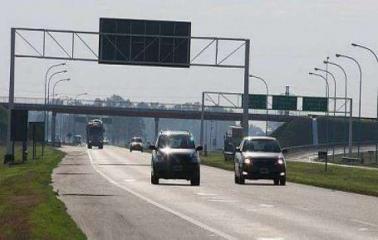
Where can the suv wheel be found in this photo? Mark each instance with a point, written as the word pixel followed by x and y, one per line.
pixel 195 180
pixel 154 179
pixel 276 181
pixel 241 179
pixel 283 181
pixel 236 179
pixel 89 146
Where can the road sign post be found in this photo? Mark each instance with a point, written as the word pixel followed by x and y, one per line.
pixel 245 123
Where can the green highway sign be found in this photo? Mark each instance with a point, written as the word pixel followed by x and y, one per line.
pixel 315 104
pixel 257 101
pixel 282 102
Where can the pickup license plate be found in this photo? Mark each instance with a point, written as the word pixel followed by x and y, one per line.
pixel 264 171
pixel 177 168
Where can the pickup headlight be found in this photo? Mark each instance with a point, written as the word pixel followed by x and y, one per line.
pixel 248 161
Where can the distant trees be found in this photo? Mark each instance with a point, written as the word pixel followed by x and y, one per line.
pixel 123 128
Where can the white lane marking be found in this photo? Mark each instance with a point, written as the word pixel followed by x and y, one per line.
pixel 130 180
pixel 222 200
pixel 362 229
pixel 364 223
pixel 165 208
pixel 266 205
pixel 269 238
pixel 206 194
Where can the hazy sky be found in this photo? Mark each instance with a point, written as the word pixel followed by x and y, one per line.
pixel 288 39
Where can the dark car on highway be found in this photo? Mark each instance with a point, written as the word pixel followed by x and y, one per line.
pixel 260 158
pixel 175 156
pixel 136 143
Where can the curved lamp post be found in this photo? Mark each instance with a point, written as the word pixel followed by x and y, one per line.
pixel 334 92
pixel 56 83
pixel 48 84
pixel 374 54
pixel 345 90
pixel 267 94
pixel 366 48
pixel 327 95
pixel 359 99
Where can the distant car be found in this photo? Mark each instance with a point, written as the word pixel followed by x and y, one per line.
pixel 175 157
pixel 76 140
pixel 260 158
pixel 136 143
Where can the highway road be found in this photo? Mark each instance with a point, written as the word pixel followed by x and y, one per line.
pixel 108 193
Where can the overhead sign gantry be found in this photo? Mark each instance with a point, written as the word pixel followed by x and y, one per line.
pixel 129 41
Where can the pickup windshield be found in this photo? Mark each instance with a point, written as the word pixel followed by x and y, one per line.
pixel 261 145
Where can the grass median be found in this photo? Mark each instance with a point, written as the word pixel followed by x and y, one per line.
pixel 29 209
pixel 354 180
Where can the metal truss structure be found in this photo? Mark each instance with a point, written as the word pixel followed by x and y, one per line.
pixel 71 45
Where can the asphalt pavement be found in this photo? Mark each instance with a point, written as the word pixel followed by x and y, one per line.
pixel 108 193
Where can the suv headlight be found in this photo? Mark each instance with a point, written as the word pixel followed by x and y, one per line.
pixel 281 161
pixel 248 161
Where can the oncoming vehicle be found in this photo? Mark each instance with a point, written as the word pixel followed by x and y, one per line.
pixel 260 158
pixel 76 140
pixel 175 156
pixel 95 134
pixel 136 143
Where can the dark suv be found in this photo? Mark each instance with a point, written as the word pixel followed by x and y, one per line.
pixel 175 157
pixel 260 158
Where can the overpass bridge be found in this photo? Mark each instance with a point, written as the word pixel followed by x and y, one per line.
pixel 146 109
pixel 153 110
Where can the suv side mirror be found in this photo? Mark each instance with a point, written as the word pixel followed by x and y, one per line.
pixel 199 148
pixel 284 151
pixel 237 149
pixel 152 147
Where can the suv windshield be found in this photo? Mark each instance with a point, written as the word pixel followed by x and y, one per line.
pixel 136 140
pixel 176 141
pixel 261 145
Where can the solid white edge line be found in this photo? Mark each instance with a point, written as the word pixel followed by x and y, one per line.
pixel 165 208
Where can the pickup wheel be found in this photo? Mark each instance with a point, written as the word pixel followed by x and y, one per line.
pixel 283 181
pixel 195 180
pixel 154 179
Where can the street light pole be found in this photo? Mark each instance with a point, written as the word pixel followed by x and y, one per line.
pixel 334 106
pixel 267 94
pixel 47 99
pixel 366 48
pixel 359 99
pixel 334 93
pixel 327 95
pixel 345 92
pixel 53 124
pixel 56 83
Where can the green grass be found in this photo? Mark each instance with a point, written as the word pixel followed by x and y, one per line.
pixel 29 209
pixel 339 178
